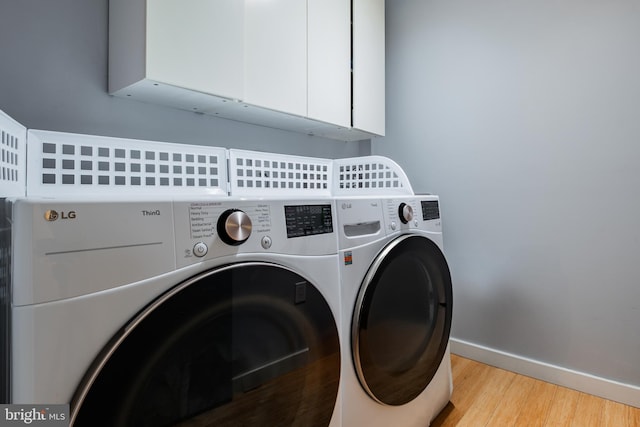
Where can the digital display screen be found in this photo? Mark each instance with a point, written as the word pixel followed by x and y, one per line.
pixel 308 220
pixel 430 210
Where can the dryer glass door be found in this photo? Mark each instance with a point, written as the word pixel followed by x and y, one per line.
pixel 402 320
pixel 247 345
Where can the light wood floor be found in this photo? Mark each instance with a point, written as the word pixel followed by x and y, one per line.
pixel 488 396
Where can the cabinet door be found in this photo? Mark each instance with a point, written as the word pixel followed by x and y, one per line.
pixel 197 45
pixel 329 61
pixel 275 71
pixel 368 66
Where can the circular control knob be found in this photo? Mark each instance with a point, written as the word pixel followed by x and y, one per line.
pixel 234 227
pixel 405 212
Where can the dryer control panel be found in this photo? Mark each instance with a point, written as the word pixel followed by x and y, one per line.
pixel 214 229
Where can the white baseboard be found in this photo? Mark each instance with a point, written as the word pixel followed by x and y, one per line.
pixel 608 389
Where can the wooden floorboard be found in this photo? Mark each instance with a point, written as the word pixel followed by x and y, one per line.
pixel 563 408
pixel 484 396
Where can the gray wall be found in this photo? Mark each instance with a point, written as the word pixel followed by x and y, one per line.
pixel 53 76
pixel 525 118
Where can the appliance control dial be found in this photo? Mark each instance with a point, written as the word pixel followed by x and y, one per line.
pixel 234 227
pixel 405 212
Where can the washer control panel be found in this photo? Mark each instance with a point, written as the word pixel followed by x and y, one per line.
pixel 421 212
pixel 362 220
pixel 401 214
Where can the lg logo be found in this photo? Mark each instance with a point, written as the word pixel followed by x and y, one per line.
pixel 52 215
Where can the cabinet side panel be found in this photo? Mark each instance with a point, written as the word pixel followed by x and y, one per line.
pixel 126 43
pixel 197 45
pixel 276 55
pixel 368 66
pixel 329 75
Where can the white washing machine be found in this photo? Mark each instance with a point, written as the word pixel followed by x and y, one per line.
pixel 143 310
pixel 396 311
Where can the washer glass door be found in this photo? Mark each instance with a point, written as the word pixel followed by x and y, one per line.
pixel 402 320
pixel 251 344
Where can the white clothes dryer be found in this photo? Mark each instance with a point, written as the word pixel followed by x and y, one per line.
pixel 396 311
pixel 152 313
pixel 135 289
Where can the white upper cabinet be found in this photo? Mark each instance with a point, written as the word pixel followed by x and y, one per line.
pixel 368 66
pixel 275 50
pixel 196 44
pixel 285 64
pixel 329 61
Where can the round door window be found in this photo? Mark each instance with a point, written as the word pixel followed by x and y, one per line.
pixel 251 344
pixel 402 320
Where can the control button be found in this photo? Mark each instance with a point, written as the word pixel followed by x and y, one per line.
pixel 200 249
pixel 405 212
pixel 234 227
pixel 394 225
pixel 266 242
pixel 415 222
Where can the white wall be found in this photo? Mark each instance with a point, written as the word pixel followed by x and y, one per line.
pixel 53 76
pixel 525 118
